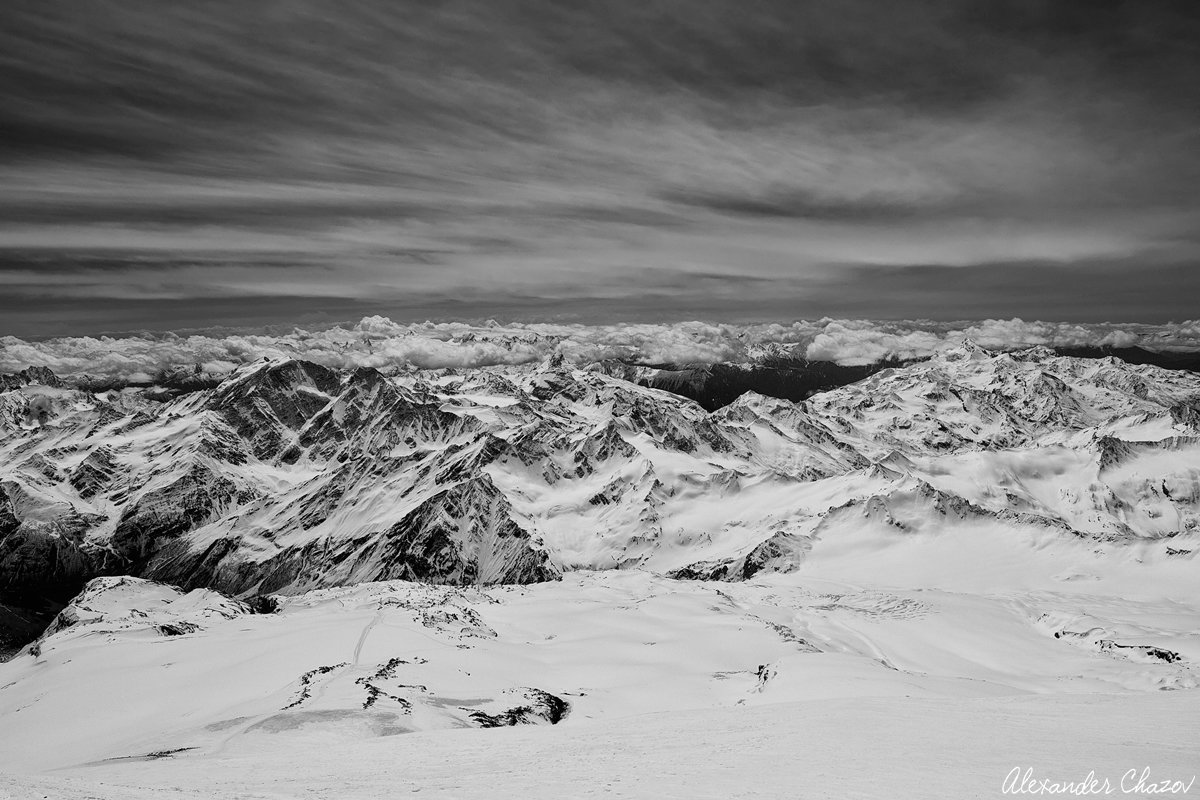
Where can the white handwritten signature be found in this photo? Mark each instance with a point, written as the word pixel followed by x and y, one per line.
pixel 1020 781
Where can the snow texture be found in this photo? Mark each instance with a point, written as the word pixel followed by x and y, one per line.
pixel 540 580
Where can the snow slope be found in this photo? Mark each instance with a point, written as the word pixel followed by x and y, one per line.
pixel 153 687
pixel 855 748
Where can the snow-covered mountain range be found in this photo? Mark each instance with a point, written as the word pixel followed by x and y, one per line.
pixel 289 476
pixel 301 555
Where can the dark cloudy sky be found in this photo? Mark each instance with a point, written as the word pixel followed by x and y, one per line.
pixel 178 164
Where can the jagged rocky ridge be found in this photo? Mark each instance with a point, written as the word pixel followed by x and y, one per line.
pixel 289 476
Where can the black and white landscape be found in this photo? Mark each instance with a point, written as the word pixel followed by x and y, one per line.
pixel 554 399
pixel 302 558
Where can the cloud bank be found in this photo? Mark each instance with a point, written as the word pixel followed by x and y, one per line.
pixel 381 343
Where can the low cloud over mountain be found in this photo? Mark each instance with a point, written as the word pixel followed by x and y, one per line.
pixel 379 342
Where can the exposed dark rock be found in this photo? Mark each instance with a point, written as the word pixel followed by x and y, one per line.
pixel 262 604
pixel 306 681
pixel 541 707
pixel 461 535
pixel 23 618
pixel 35 375
pixel 1187 413
pixel 1156 653
pixel 163 514
pixel 177 628
pixel 94 473
pixel 374 692
pixel 48 554
pixel 1113 451
pixel 782 552
pixel 262 404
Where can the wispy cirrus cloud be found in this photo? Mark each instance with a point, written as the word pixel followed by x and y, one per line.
pixel 472 158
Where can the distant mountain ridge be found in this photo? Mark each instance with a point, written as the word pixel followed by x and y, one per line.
pixel 776 372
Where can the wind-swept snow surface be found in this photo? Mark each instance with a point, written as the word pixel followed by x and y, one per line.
pixel 793 686
pixel 310 582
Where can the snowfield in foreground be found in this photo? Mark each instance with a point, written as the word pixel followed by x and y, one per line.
pixel 785 686
pixel 842 748
pixel 553 582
